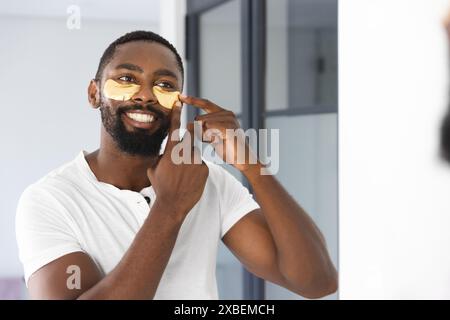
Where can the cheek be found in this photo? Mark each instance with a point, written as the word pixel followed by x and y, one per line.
pixel 109 112
pixel 109 108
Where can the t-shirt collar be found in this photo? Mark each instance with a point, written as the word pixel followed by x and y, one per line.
pixel 87 171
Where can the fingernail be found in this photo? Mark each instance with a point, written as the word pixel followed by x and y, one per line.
pixel 182 96
pixel 178 104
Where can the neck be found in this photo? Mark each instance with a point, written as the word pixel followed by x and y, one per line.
pixel 124 171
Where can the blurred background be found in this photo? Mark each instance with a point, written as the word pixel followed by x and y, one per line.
pixel 272 62
pixel 394 203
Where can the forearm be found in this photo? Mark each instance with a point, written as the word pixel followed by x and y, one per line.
pixel 302 255
pixel 140 270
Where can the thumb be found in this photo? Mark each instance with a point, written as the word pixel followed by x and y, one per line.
pixel 190 130
pixel 189 142
pixel 173 138
pixel 151 169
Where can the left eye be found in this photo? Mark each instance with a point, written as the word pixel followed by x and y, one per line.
pixel 126 79
pixel 165 85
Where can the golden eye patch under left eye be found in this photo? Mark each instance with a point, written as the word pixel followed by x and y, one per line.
pixel 166 98
pixel 118 91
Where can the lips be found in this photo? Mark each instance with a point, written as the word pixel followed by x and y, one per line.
pixel 140 119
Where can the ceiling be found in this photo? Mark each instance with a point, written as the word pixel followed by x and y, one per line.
pixel 129 10
pixel 300 12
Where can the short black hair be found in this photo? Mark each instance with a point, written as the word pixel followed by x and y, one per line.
pixel 138 35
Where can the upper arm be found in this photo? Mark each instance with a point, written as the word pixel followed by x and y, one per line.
pixel 64 278
pixel 252 243
pixel 48 245
pixel 244 229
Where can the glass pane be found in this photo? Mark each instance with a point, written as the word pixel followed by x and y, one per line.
pixel 220 82
pixel 301 54
pixel 308 170
pixel 220 56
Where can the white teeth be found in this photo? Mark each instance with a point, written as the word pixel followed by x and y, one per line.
pixel 141 117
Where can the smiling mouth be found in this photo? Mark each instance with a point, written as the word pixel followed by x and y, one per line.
pixel 140 120
pixel 141 117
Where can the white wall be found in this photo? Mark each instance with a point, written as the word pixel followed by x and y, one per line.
pixel 394 191
pixel 46 119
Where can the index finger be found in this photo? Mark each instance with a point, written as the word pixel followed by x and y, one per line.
pixel 203 104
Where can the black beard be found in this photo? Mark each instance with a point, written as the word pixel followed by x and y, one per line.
pixel 138 142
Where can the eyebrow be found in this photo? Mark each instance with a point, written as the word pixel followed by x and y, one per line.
pixel 130 66
pixel 165 72
pixel 159 72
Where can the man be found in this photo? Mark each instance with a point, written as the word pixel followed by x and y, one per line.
pixel 86 231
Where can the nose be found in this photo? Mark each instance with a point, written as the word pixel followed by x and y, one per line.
pixel 145 95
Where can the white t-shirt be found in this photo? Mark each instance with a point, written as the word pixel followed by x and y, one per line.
pixel 69 210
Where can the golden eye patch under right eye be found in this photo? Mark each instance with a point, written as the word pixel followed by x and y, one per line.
pixel 118 91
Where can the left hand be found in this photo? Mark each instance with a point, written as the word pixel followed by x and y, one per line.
pixel 215 123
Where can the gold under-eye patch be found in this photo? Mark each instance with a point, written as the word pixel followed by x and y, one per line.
pixel 118 91
pixel 166 98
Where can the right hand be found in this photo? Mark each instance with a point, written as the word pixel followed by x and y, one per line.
pixel 178 187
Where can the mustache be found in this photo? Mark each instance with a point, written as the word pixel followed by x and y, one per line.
pixel 147 107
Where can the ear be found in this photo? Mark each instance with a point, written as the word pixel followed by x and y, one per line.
pixel 94 93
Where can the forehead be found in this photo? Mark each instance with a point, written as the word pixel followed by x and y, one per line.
pixel 150 56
